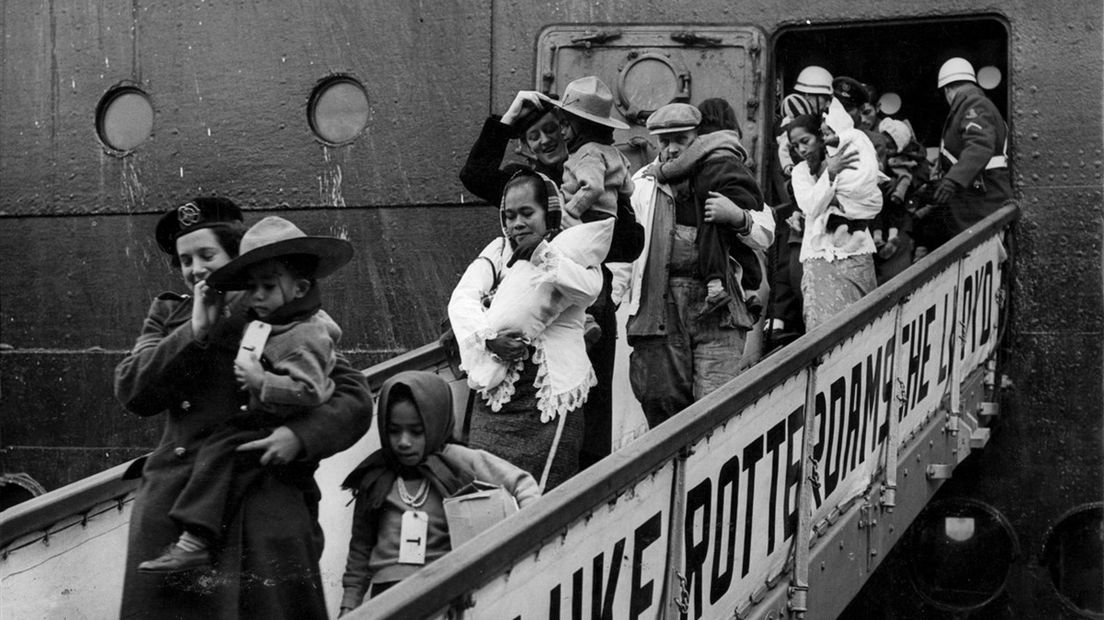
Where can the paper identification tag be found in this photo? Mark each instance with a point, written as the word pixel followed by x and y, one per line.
pixel 253 340
pixel 412 537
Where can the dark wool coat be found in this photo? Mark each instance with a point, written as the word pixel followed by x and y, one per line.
pixel 269 566
pixel 973 134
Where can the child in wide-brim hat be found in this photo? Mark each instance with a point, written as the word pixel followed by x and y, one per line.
pixel 278 269
pixel 595 172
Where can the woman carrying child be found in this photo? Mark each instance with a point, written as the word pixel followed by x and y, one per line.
pixel 183 365
pixel 534 410
pixel 838 196
pixel 400 489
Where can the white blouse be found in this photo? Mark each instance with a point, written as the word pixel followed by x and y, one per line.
pixel 856 195
pixel 564 374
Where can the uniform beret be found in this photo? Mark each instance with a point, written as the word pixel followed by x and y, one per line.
pixel 202 212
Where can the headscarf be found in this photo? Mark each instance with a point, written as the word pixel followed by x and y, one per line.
pixel 433 399
pixel 553 204
pixel 898 130
pixel 795 105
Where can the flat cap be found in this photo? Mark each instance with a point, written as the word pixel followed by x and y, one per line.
pixel 674 117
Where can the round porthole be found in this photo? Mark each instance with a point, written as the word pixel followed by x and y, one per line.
pixel 960 553
pixel 1072 555
pixel 124 118
pixel 648 82
pixel 989 77
pixel 338 110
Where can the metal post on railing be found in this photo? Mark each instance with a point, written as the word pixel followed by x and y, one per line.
pixel 675 594
pixel 897 403
pixel 799 584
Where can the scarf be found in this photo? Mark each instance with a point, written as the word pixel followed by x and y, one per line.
pixel 374 477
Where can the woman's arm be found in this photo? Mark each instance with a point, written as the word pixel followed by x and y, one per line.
pixel 812 195
pixel 580 285
pixel 481 174
pixel 340 422
pixel 144 380
pixel 465 308
pixel 487 467
pixel 357 575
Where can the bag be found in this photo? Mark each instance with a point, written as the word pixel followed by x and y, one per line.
pixel 476 507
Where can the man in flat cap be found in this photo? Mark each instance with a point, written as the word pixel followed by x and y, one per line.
pixel 691 287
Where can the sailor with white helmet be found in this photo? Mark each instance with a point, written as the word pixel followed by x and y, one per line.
pixel 973 151
pixel 815 83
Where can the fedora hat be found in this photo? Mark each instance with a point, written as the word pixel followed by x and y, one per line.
pixel 589 98
pixel 273 237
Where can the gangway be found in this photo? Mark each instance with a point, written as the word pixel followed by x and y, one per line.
pixel 730 509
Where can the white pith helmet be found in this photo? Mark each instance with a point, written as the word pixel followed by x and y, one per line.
pixel 956 70
pixel 814 80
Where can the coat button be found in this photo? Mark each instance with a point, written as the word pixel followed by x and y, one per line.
pixel 180 452
pixel 186 406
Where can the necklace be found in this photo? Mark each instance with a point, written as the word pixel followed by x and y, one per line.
pixel 420 496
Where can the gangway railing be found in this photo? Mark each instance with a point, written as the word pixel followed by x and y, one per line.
pixel 730 509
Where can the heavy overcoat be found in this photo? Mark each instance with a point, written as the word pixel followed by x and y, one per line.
pixel 974 154
pixel 269 565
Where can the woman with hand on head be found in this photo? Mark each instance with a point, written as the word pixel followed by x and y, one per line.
pixel 182 365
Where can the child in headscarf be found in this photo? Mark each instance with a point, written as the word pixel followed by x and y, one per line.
pixel 400 488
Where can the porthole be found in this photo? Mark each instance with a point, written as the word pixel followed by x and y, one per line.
pixel 338 110
pixel 1072 555
pixel 124 118
pixel 960 553
pixel 648 82
pixel 989 77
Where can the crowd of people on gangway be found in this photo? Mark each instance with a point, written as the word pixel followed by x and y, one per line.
pixel 712 271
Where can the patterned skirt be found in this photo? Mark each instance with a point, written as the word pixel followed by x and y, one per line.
pixel 517 434
pixel 830 286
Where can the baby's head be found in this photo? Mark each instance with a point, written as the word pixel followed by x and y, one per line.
pixel 675 125
pixel 273 283
pixel 415 416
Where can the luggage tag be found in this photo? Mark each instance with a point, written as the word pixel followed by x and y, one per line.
pixel 412 537
pixel 253 341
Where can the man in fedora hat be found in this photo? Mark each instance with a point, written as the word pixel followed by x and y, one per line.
pixel 278 268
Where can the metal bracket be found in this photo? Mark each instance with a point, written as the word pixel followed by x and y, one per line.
pixel 979 438
pixel 989 410
pixel 939 471
pixel 798 599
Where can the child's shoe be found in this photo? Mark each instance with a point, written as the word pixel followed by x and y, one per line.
pixel 177 560
pixel 592 333
pixel 715 297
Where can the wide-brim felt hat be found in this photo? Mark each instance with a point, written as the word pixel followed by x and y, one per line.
pixel 589 98
pixel 200 212
pixel 273 237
